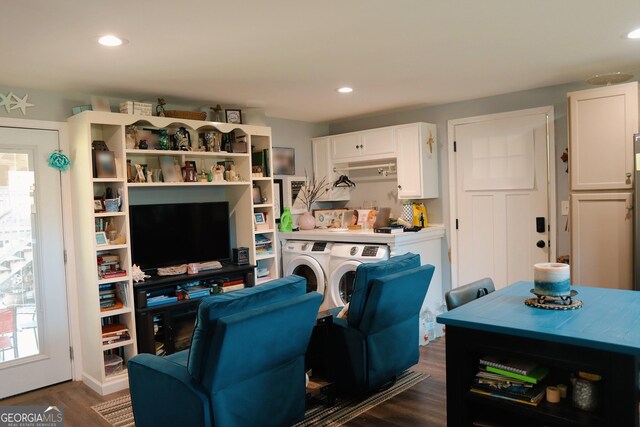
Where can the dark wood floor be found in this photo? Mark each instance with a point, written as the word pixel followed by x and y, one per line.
pixel 422 405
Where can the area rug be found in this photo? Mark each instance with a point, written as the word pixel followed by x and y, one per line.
pixel 117 412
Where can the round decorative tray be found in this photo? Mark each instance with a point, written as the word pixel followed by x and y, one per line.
pixel 554 303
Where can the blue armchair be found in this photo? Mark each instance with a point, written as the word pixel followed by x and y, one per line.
pixel 245 366
pixel 379 339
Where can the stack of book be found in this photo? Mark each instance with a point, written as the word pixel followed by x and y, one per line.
pixel 114 332
pixel 228 285
pixel 109 296
pixel 511 379
pixel 191 292
pixel 109 267
pixel 263 245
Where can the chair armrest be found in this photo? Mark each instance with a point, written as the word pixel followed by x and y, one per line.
pixel 164 394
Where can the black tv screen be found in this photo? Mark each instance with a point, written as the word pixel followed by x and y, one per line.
pixel 179 233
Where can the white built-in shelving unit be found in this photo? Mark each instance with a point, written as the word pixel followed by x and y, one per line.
pixel 111 128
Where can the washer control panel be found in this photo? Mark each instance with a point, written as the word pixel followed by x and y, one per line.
pixel 370 251
pixel 319 247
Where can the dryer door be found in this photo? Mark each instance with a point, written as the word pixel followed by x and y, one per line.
pixel 341 282
pixel 310 269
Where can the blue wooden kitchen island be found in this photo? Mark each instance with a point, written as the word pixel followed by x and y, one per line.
pixel 602 337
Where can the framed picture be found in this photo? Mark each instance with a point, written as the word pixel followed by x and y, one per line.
pixel 284 161
pixel 333 218
pixel 101 238
pixel 258 218
pixel 257 195
pixel 277 200
pixel 105 162
pixel 233 116
pixel 98 204
pixel 291 188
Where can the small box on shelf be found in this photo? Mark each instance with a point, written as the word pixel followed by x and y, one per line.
pixel 113 364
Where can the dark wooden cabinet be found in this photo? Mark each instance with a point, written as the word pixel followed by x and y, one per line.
pixel 167 328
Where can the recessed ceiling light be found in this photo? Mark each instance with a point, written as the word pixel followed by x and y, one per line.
pixel 111 41
pixel 635 34
pixel 345 89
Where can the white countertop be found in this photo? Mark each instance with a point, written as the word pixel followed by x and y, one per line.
pixel 434 231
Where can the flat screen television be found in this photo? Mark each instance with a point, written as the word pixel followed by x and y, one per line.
pixel 164 235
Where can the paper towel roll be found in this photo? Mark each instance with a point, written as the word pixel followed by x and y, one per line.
pixel 551 279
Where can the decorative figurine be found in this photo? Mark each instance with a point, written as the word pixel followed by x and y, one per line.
pixel 160 107
pixel 217 113
pixel 182 140
pixel 163 139
pixel 143 144
pixel 218 172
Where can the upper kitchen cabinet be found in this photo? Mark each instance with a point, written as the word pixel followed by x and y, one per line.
pixel 417 161
pixel 602 123
pixel 363 146
pixel 323 168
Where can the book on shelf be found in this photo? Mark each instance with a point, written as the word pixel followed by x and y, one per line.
pixel 389 230
pixel 232 288
pixel 534 377
pixel 161 299
pixel 518 366
pixel 501 396
pixel 114 273
pixel 113 328
pixel 495 383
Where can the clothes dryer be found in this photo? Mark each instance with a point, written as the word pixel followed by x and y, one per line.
pixel 345 259
pixel 311 261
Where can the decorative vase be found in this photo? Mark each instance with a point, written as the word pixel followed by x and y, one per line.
pixel 306 221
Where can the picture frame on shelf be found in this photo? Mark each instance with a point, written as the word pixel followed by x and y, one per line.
pixel 101 238
pixel 257 195
pixel 291 188
pixel 98 204
pixel 332 218
pixel 105 163
pixel 277 200
pixel 284 161
pixel 233 116
pixel 260 221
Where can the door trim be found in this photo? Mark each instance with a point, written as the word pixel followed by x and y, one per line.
pixel 67 225
pixel 551 177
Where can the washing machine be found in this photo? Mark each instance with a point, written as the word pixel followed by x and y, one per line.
pixel 311 261
pixel 345 259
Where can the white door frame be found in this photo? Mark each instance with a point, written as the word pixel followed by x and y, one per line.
pixel 551 177
pixel 67 225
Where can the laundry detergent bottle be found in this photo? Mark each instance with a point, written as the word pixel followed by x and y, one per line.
pixel 286 221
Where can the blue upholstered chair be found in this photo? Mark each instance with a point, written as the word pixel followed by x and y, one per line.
pixel 245 366
pixel 379 339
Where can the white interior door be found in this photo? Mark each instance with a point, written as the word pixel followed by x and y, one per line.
pixel 501 195
pixel 34 329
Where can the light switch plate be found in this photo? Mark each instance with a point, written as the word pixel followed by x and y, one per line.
pixel 564 207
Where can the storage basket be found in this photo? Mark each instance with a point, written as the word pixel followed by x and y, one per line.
pixel 190 115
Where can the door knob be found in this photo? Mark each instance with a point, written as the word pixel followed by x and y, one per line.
pixel 540 244
pixel 400 187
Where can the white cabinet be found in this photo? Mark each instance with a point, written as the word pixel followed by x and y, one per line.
pixel 363 146
pixel 602 240
pixel 323 168
pixel 417 161
pixel 602 124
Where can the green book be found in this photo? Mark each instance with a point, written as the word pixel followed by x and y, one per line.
pixel 534 377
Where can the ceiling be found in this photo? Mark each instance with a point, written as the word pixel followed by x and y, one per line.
pixel 289 56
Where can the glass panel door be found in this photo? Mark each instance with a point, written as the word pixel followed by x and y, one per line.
pixel 18 311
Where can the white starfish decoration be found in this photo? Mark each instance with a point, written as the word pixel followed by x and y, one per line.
pixel 21 103
pixel 6 100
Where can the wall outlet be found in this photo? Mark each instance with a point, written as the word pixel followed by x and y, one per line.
pixel 564 207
